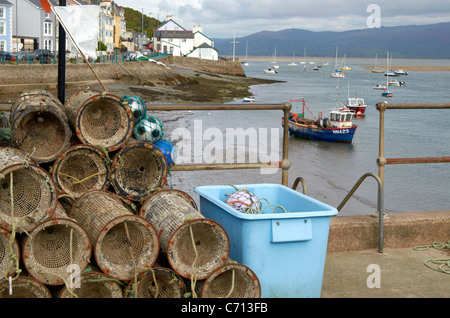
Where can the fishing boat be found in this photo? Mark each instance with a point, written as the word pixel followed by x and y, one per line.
pixel 338 127
pixel 357 105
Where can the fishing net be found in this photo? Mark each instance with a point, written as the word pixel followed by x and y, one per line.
pixel 137 106
pixel 148 129
pixel 244 201
pixel 168 149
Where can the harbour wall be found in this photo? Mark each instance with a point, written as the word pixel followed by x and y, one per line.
pixel 400 230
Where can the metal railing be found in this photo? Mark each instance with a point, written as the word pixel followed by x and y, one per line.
pixel 382 161
pixel 284 164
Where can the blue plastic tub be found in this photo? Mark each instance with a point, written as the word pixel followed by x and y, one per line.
pixel 286 249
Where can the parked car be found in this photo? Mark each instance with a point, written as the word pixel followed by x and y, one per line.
pixel 131 55
pixel 5 56
pixel 22 55
pixel 42 55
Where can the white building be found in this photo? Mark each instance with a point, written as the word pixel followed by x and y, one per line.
pixel 172 38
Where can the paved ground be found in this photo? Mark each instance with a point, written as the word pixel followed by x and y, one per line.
pixel 402 274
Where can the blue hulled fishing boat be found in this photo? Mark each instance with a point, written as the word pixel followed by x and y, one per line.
pixel 338 127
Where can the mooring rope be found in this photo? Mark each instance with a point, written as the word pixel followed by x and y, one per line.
pixel 443 264
pixel 133 260
pixel 12 237
pixel 194 274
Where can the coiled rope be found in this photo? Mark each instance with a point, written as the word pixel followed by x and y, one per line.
pixel 440 264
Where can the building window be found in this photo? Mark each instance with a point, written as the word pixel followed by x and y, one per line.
pixel 48 28
pixel 48 45
pixel 2 28
pixel 2 12
pixel 2 45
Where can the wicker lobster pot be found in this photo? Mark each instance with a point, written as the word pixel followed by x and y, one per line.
pixel 39 125
pixel 168 285
pixel 24 287
pixel 94 285
pixel 195 246
pixel 232 280
pixel 138 170
pixel 53 246
pixel 100 119
pixel 34 192
pixel 124 243
pixel 5 132
pixel 81 168
pixel 9 254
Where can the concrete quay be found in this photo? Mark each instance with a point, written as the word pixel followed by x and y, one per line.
pixel 355 267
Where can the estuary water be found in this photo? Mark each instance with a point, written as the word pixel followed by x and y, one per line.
pixel 332 169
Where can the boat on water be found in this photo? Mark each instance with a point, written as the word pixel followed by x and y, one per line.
pixel 379 86
pixel 343 66
pixel 270 71
pixel 386 92
pixel 400 72
pixel 357 104
pixel 338 127
pixel 376 69
pixel 249 99
pixel 337 72
pixel 394 82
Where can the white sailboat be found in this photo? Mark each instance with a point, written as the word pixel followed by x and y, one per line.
pixel 376 70
pixel 293 61
pixel 337 73
pixel 275 65
pixel 245 63
pixel 386 92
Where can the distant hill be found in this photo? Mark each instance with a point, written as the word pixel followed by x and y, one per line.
pixel 412 41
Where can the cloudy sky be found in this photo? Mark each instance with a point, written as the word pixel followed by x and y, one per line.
pixel 223 18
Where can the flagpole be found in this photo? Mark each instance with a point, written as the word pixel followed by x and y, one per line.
pixel 79 50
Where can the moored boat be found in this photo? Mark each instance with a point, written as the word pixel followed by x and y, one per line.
pixel 338 127
pixel 357 105
pixel 270 71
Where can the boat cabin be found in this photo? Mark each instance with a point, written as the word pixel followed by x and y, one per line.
pixel 342 117
pixel 355 102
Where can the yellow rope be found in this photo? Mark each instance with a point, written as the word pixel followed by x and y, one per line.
pixel 132 258
pixel 12 237
pixel 194 274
